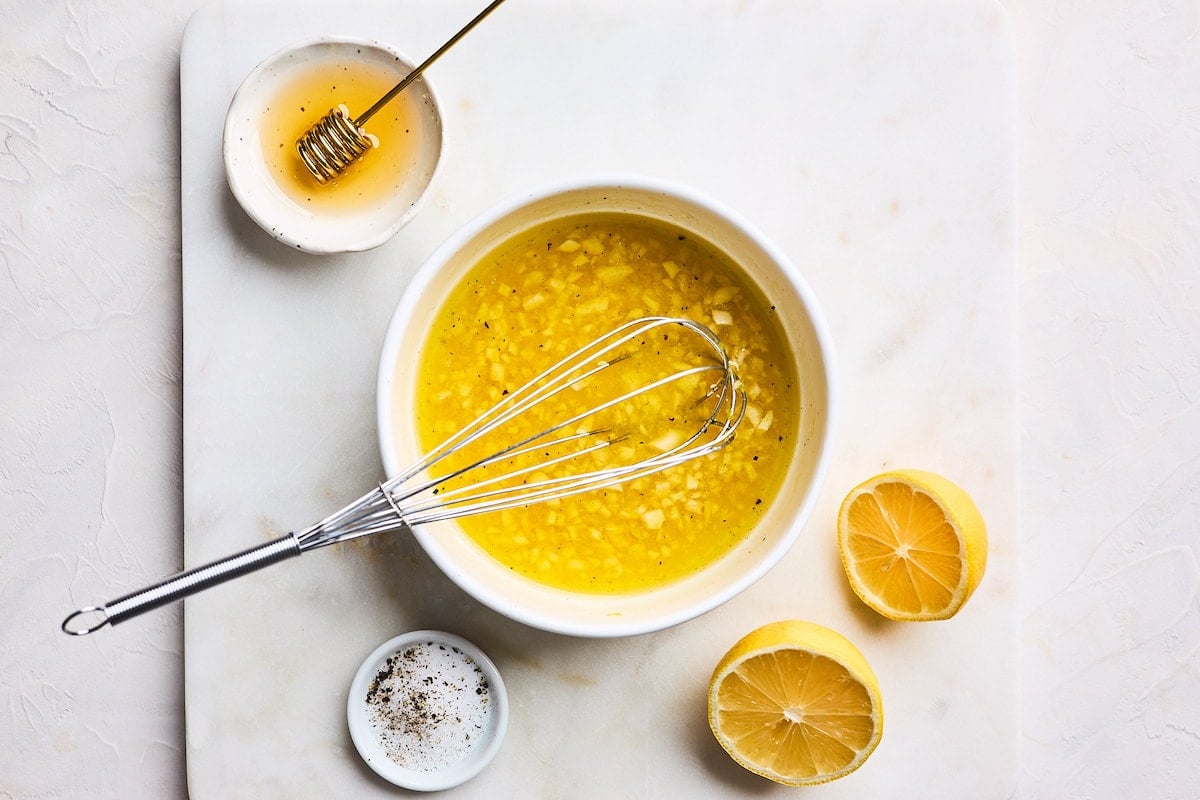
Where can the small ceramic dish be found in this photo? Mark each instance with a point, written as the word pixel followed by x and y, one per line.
pixel 427 710
pixel 326 227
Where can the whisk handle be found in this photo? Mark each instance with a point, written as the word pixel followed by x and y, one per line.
pixel 92 618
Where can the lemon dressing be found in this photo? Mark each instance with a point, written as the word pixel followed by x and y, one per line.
pixel 551 289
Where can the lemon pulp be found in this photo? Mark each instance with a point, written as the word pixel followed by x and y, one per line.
pixel 795 702
pixel 913 544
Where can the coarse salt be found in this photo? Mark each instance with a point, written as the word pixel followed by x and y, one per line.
pixel 430 705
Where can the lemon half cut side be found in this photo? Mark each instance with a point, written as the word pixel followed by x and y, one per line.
pixel 795 702
pixel 913 544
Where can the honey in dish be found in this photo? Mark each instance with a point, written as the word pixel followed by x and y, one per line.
pixel 308 96
pixel 552 289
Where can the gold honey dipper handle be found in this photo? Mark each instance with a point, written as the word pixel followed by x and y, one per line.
pixel 335 141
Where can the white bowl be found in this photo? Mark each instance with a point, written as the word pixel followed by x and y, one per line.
pixel 266 203
pixel 615 615
pixel 366 737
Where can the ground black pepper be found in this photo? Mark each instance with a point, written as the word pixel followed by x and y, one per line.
pixel 430 705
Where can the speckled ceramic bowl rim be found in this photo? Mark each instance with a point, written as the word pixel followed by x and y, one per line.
pixel 358 719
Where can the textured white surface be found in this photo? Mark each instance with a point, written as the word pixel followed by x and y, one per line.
pixel 91 439
pixel 1110 170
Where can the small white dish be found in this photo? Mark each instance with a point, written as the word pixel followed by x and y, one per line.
pixel 261 196
pixel 456 691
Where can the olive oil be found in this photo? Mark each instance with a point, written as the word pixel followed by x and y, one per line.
pixel 307 97
pixel 553 288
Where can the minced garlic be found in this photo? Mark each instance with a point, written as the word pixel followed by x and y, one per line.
pixel 552 289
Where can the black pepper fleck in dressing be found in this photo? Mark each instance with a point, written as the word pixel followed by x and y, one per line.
pixel 430 706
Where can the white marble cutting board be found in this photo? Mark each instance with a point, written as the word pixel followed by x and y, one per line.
pixel 873 140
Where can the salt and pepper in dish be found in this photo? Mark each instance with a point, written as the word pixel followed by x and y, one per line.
pixel 427 710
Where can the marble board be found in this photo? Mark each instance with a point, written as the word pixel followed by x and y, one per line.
pixel 872 140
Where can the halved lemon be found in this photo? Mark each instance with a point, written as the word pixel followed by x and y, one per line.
pixel 913 544
pixel 795 702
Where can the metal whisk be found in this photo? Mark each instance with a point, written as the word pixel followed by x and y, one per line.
pixel 600 440
pixel 337 140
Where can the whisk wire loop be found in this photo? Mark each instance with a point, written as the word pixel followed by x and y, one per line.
pixel 557 378
pixel 407 500
pixel 513 490
pixel 450 497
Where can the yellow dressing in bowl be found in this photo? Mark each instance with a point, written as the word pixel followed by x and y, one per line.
pixel 553 288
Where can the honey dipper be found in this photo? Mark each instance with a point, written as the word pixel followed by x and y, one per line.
pixel 337 140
